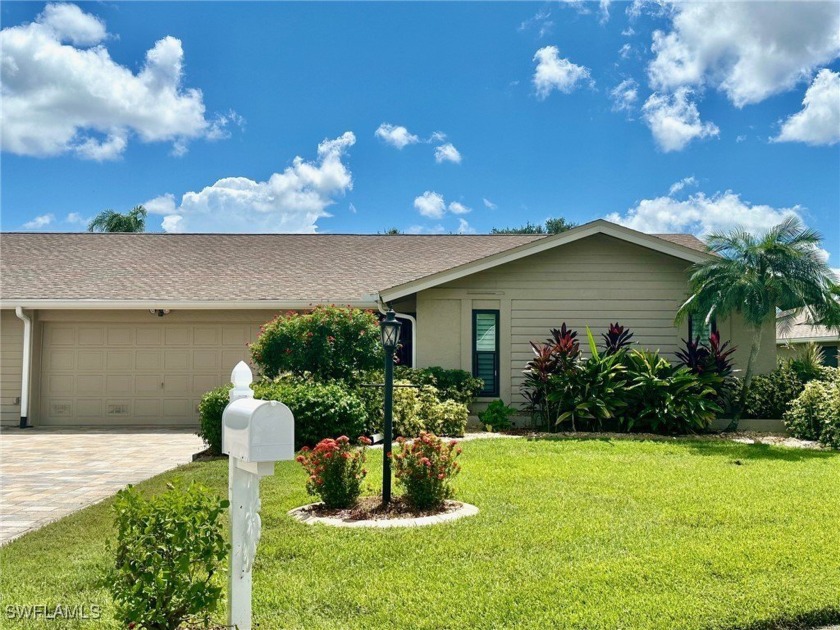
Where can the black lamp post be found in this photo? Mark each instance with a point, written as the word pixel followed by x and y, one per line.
pixel 390 328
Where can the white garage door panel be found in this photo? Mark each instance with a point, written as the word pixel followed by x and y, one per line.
pixel 140 374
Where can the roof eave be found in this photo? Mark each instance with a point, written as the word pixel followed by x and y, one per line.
pixel 35 304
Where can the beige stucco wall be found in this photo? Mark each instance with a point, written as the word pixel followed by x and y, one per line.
pixel 11 358
pixel 591 282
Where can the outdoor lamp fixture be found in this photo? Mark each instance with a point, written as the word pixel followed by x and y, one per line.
pixel 160 312
pixel 390 329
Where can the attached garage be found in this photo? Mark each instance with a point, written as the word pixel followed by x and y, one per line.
pixel 99 372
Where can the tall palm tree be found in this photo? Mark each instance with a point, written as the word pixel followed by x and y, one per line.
pixel 112 221
pixel 756 275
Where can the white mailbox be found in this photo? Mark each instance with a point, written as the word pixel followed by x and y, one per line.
pixel 255 434
pixel 258 431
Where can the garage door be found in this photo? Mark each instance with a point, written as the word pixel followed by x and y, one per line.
pixel 112 374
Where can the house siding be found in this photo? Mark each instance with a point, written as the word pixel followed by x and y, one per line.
pixel 590 282
pixel 11 365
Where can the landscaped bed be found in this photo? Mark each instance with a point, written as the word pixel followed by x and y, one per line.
pixel 586 533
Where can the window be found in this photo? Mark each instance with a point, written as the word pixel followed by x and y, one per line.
pixel 830 354
pixel 697 327
pixel 486 350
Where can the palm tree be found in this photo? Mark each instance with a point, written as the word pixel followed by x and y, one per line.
pixel 755 276
pixel 112 221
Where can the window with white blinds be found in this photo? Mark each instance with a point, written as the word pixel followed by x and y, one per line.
pixel 486 350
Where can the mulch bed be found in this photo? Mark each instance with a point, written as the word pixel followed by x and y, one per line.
pixel 371 508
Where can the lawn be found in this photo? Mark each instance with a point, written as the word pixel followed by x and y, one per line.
pixel 571 534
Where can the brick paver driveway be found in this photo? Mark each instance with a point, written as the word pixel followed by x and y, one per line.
pixel 47 473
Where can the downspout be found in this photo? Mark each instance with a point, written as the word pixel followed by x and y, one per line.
pixel 381 306
pixel 27 358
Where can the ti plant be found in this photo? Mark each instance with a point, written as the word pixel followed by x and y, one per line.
pixel 616 338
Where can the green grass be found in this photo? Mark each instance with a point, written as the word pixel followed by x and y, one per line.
pixel 571 534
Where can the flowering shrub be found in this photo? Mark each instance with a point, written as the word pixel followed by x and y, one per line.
pixel 336 470
pixel 329 343
pixel 425 468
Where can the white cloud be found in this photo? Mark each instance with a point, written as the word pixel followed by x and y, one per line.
pixel 541 20
pixel 456 207
pixel 674 120
pixel 819 120
pixel 66 98
pixel 582 7
pixel 625 51
pixel 352 208
pixel 624 95
pixel 464 227
pixel 421 229
pixel 290 201
pixel 395 135
pixel 75 218
pixel 678 186
pixel 740 139
pixel 39 222
pixel 430 204
pixel 556 73
pixel 447 153
pixel 748 50
pixel 701 214
pixel 489 204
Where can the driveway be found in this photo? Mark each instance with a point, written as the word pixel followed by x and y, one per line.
pixel 48 473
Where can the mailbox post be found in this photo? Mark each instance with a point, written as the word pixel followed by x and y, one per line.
pixel 255 434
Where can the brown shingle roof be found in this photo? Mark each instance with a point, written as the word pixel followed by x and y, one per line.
pixel 686 240
pixel 232 267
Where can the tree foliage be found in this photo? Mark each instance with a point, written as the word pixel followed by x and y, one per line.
pixel 112 221
pixel 551 226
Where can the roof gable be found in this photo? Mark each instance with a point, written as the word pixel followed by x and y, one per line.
pixel 683 246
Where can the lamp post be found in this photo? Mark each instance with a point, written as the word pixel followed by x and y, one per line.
pixel 390 329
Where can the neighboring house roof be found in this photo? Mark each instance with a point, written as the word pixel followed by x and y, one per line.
pixel 799 330
pixel 67 270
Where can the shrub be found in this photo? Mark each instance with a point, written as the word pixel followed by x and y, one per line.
pixel 425 469
pixel 815 413
pixel 336 471
pixel 808 363
pixel 446 418
pixel 589 393
pixel 668 399
pixel 321 410
pixel 210 410
pixel 169 555
pixel 555 356
pixel 496 416
pixel 770 394
pixel 456 385
pixel 329 343
pixel 710 357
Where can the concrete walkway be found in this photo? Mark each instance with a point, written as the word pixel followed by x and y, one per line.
pixel 48 473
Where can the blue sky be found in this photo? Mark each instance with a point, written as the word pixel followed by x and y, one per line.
pixel 520 101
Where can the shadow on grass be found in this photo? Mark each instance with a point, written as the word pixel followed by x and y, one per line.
pixel 699 445
pixel 804 621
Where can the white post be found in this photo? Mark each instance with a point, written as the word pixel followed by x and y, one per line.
pixel 245 524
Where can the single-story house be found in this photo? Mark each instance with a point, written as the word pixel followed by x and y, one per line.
pixel 793 335
pixel 131 329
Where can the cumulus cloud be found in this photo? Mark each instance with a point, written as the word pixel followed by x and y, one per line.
pixel 819 120
pixel 447 153
pixel 74 218
pixel 748 50
pixel 556 73
pixel 395 135
pixel 701 214
pixel 430 204
pixel 39 222
pixel 489 204
pixel 63 93
pixel 624 95
pixel 674 120
pixel 464 227
pixel 456 207
pixel 290 201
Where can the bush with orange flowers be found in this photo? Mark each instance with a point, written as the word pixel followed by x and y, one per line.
pixel 425 468
pixel 336 470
